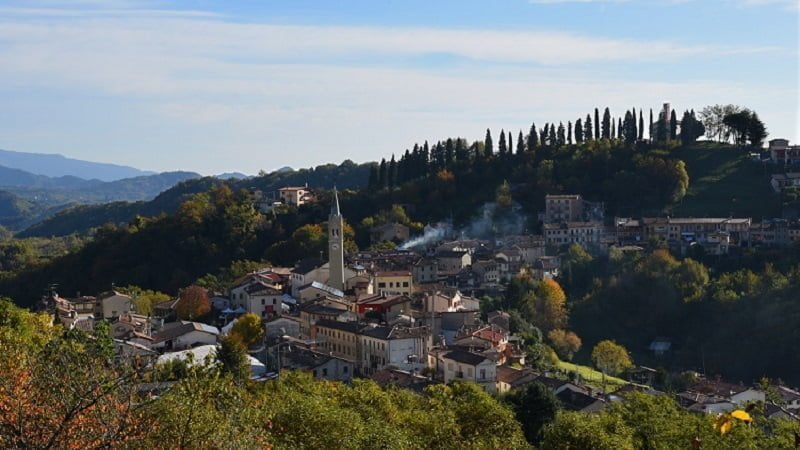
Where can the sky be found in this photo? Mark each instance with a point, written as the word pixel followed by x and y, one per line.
pixel 218 86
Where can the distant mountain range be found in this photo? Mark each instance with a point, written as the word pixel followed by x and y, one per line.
pixel 54 165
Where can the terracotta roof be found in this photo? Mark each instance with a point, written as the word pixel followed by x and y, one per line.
pixel 511 375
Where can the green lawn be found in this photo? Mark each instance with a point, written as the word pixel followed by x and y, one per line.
pixel 591 376
pixel 723 182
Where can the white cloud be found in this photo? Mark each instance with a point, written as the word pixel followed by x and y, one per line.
pixel 257 93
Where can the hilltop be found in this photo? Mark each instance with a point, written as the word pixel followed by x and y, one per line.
pixel 55 165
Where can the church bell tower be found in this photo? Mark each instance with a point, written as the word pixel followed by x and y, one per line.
pixel 336 245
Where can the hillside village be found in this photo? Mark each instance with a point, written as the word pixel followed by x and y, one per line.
pixel 413 317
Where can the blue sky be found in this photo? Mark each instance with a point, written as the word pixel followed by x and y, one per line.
pixel 216 86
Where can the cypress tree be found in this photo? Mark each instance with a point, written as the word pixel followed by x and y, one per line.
pixel 383 179
pixel 650 130
pixel 510 146
pixel 619 128
pixel 533 138
pixel 641 126
pixel 520 144
pixel 392 172
pixel 579 131
pixel 544 135
pixel 587 129
pixel 501 144
pixel 607 124
pixel 569 132
pixel 613 129
pixel 488 147
pixel 673 126
pixel 596 124
pixel 449 152
pixel 634 129
pixel 551 137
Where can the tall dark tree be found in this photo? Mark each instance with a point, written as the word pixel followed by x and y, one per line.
pixel 673 126
pixel 449 152
pixel 461 150
pixel 488 146
pixel 392 172
pixel 691 128
pixel 535 406
pixel 579 131
pixel 569 132
pixel 561 136
pixel 587 129
pixel 545 134
pixel 651 130
pixel 383 176
pixel 520 144
pixel 641 126
pixel 607 124
pixel 756 131
pixel 510 145
pixel 596 124
pixel 662 128
pixel 501 145
pixel 552 139
pixel 619 128
pixel 533 138
pixel 633 127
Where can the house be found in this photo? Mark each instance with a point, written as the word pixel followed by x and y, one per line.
pixel 312 312
pixel 316 290
pixel 405 348
pixel 425 270
pixel 296 196
pixel 258 296
pixel 565 233
pixel 112 304
pixel 282 326
pixel 487 272
pixel 580 401
pixel 319 365
pixel 501 319
pixel 780 152
pixel 486 336
pixel 558 386
pixel 509 378
pixel 545 268
pixel 789 397
pixel 440 302
pixel 125 350
pixel 781 181
pixel 401 378
pixel 389 306
pixel 563 208
pixel 460 365
pixel 307 271
pixel 718 396
pixel 338 338
pixel 184 334
pixel 452 261
pixel 129 324
pixel 203 353
pixel 166 310
pixel 393 232
pixel 395 282
pixel 689 229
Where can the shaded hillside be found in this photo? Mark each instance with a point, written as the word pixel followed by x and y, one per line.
pixel 81 219
pixel 54 165
pixel 14 210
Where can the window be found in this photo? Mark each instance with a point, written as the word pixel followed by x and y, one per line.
pixel 263 301
pixel 324 372
pixel 381 285
pixel 344 369
pixel 483 374
pixel 405 283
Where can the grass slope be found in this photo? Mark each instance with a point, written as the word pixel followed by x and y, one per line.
pixel 591 376
pixel 723 181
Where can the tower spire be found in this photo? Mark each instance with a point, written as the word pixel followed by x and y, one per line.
pixel 335 204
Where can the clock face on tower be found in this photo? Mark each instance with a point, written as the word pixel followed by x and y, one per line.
pixel 335 246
